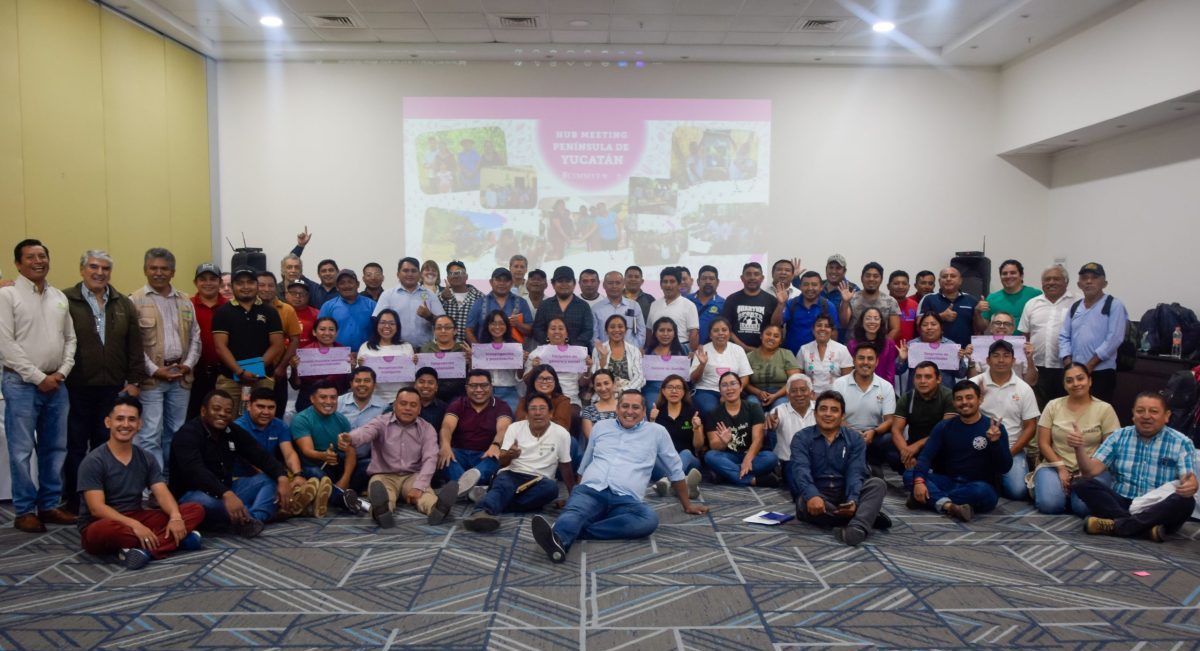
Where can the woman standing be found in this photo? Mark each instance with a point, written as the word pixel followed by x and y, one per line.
pixel 713 360
pixel 385 341
pixel 624 361
pixel 1077 414
pixel 824 360
pixel 772 366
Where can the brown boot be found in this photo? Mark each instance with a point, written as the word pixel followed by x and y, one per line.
pixel 29 523
pixel 56 516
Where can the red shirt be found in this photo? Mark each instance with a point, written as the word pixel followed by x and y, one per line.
pixel 204 319
pixel 308 317
pixel 908 319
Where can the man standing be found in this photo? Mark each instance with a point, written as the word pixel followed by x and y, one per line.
pixel 798 315
pixel 709 304
pixel 829 471
pixel 372 281
pixel 1010 400
pixel 1012 297
pixel 615 470
pixel 615 303
pixel 111 480
pixel 502 299
pixel 954 308
pixel 322 455
pixel 204 304
pixel 836 288
pixel 37 344
pixel 108 361
pixel 351 311
pixel 856 303
pixel 1093 330
pixel 960 462
pixel 416 305
pixel 205 452
pixel 1141 458
pixel 589 287
pixel 678 309
pixel 472 432
pixel 750 309
pixel 869 404
pixel 574 312
pixel 245 330
pixel 633 290
pixel 1042 321
pixel 171 343
pixel 458 298
pixel 898 290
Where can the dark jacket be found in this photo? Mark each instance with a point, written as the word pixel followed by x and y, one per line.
pixel 202 462
pixel 119 360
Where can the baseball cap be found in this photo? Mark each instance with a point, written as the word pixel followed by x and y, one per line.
pixel 1092 268
pixel 207 268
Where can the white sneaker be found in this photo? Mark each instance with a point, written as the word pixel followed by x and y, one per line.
pixel 693 483
pixel 662 487
pixel 467 482
pixel 476 494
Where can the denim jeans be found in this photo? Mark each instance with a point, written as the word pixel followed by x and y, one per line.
pixel 508 395
pixel 35 420
pixel 604 515
pixel 1049 497
pixel 686 457
pixel 728 465
pixel 164 411
pixel 1012 483
pixel 651 391
pixel 503 496
pixel 256 492
pixel 958 490
pixel 466 459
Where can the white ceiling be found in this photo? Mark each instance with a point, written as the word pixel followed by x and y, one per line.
pixel 936 32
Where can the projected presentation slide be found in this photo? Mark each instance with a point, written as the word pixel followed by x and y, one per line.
pixel 597 183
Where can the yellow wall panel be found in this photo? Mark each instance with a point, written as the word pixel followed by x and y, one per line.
pixel 62 130
pixel 187 147
pixel 12 190
pixel 135 146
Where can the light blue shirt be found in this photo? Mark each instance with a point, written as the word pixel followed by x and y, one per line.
pixel 621 459
pixel 635 320
pixel 97 311
pixel 1092 333
pixel 413 329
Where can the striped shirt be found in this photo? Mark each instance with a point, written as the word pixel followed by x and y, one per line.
pixel 1141 465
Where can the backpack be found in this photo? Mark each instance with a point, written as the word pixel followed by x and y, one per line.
pixel 1127 351
pixel 1158 325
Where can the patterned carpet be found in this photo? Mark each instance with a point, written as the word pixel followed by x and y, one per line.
pixel 1013 578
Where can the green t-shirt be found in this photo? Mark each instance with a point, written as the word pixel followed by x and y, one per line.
pixel 771 374
pixel 1013 304
pixel 323 430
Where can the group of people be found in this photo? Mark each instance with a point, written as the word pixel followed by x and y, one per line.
pixel 155 414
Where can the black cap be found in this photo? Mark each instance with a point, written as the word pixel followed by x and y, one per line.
pixel 244 271
pixel 1092 268
pixel 563 273
pixel 501 272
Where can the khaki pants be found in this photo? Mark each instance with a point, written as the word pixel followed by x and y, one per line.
pixel 234 389
pixel 398 485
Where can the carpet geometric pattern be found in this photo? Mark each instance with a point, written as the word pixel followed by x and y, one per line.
pixel 1013 578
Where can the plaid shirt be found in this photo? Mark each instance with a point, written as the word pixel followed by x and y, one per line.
pixel 1140 466
pixel 460 311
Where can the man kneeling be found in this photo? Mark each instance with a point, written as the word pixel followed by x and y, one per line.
pixel 828 468
pixel 616 468
pixel 111 480
pixel 532 450
pixel 404 454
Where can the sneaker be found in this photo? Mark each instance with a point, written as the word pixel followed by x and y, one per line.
pixel 662 487
pixel 324 490
pixel 350 502
pixel 1157 533
pixel 249 529
pixel 447 495
pixel 379 505
pixel 303 496
pixel 544 536
pixel 693 483
pixel 883 522
pixel 481 522
pixel 190 542
pixel 1099 526
pixel 961 512
pixel 476 494
pixel 850 535
pixel 467 481
pixel 134 559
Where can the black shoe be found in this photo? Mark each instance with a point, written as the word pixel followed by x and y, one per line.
pixel 883 522
pixel 544 536
pixel 481 522
pixel 249 529
pixel 379 505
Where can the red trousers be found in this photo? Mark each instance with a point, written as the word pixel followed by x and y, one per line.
pixel 105 537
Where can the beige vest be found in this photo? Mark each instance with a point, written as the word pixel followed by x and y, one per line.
pixel 150 323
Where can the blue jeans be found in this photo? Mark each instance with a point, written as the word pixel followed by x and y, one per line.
pixel 32 420
pixel 686 457
pixel 164 410
pixel 1012 483
pixel 651 391
pixel 256 492
pixel 1049 497
pixel 959 490
pixel 508 395
pixel 467 459
pixel 604 515
pixel 503 496
pixel 728 465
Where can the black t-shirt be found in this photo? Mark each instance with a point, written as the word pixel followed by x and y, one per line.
pixel 680 428
pixel 122 484
pixel 740 424
pixel 249 331
pixel 749 315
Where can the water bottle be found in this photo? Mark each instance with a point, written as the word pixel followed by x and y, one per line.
pixel 1177 343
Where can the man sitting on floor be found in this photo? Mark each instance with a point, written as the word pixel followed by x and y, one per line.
pixel 203 455
pixel 111 480
pixel 532 450
pixel 829 469
pixel 960 463
pixel 616 468
pixel 1141 458
pixel 404 453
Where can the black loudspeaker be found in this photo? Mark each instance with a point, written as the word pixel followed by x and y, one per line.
pixel 976 270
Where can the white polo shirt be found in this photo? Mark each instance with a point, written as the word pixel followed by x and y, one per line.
pixel 682 311
pixel 866 409
pixel 1041 321
pixel 1012 402
pixel 790 422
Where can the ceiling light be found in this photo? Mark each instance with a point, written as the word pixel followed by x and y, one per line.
pixel 578 22
pixel 883 27
pixel 270 21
